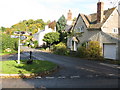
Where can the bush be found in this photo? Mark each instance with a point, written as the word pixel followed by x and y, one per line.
pixel 82 51
pixel 93 50
pixel 35 44
pixel 8 42
pixel 60 49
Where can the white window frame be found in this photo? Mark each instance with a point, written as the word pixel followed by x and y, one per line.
pixel 115 30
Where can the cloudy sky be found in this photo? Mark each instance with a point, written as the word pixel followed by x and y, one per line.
pixel 14 11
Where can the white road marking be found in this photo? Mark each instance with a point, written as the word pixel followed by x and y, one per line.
pixel 111 74
pixel 50 77
pixel 82 68
pixel 38 77
pixel 62 77
pixel 110 65
pixel 74 76
pixel 118 67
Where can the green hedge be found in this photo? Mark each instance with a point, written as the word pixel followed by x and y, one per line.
pixel 8 42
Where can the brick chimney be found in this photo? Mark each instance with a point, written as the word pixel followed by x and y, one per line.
pixel 69 16
pixel 100 11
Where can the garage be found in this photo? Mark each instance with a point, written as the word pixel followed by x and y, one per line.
pixel 109 51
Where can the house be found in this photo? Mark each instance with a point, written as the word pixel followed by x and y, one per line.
pixel 101 26
pixel 40 34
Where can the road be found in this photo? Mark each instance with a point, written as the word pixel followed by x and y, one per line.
pixel 73 73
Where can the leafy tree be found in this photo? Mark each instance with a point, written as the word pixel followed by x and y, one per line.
pixel 60 27
pixel 61 24
pixel 8 31
pixel 48 22
pixel 52 25
pixel 51 38
pixel 2 29
pixel 29 25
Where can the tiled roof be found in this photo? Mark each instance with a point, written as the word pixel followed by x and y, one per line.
pixel 91 20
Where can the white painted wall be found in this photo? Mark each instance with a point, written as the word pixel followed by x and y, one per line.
pixel 41 33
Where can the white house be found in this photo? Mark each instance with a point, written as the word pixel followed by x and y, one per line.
pixel 40 35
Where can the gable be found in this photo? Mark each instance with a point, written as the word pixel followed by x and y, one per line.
pixel 91 20
pixel 111 23
pixel 80 23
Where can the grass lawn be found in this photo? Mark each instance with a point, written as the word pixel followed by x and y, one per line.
pixel 7 53
pixel 38 66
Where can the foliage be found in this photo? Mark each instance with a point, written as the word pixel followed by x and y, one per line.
pixel 52 25
pixel 60 27
pixel 38 66
pixel 92 50
pixel 82 51
pixel 35 44
pixel 60 49
pixel 2 29
pixel 29 25
pixel 8 42
pixel 51 38
pixel 61 24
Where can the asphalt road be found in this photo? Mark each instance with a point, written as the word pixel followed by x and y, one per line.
pixel 73 73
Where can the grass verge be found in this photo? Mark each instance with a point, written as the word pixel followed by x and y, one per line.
pixel 38 66
pixel 7 53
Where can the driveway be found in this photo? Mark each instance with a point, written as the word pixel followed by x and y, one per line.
pixel 73 73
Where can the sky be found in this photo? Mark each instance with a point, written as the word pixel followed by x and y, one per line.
pixel 14 11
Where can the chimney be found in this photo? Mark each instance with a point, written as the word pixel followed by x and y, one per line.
pixel 69 16
pixel 100 11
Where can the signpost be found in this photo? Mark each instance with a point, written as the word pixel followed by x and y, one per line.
pixel 20 37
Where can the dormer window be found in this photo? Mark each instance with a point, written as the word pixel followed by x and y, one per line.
pixel 115 30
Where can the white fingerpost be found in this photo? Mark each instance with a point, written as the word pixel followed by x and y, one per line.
pixel 19 50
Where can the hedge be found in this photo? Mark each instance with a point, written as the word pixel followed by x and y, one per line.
pixel 8 42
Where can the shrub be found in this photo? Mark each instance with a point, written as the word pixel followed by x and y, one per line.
pixel 93 50
pixel 60 49
pixel 8 42
pixel 82 51
pixel 35 44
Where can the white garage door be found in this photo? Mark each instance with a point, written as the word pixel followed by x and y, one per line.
pixel 110 51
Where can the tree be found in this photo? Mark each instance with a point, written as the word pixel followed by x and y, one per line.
pixel 52 25
pixel 60 27
pixel 51 38
pixel 2 29
pixel 61 24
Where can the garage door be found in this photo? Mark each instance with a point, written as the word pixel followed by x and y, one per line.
pixel 109 51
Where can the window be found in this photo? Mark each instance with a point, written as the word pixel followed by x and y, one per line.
pixel 80 29
pixel 115 30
